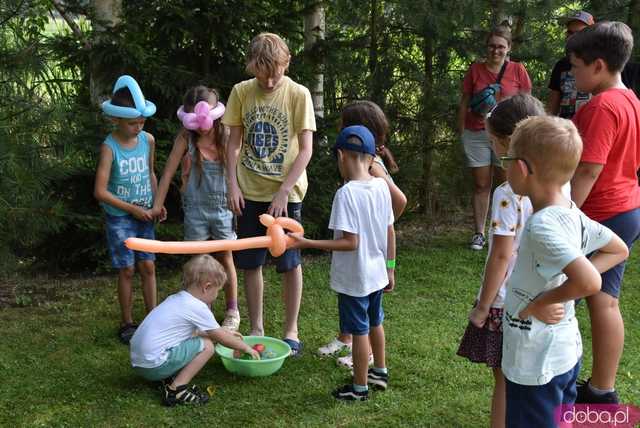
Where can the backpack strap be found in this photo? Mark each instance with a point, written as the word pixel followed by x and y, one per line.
pixel 502 70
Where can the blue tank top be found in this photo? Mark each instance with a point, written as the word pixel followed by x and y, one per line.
pixel 130 178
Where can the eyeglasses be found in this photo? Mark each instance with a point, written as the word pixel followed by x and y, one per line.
pixel 504 159
pixel 497 47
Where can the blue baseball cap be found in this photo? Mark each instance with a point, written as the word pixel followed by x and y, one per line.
pixel 368 145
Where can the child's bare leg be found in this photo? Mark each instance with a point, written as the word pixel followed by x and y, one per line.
pixel 254 286
pixel 125 294
pixel 607 339
pixel 231 287
pixel 189 371
pixel 360 359
pixel 499 400
pixel 345 337
pixel 376 337
pixel 147 270
pixel 292 296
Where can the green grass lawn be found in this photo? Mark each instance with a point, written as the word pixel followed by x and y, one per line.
pixel 61 364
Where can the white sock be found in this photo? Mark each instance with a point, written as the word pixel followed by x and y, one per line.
pixel 599 391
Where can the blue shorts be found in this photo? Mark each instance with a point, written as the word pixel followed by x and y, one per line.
pixel 535 405
pixel 359 314
pixel 118 228
pixel 627 227
pixel 179 356
pixel 249 226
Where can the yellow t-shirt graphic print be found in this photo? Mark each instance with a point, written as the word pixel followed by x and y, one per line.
pixel 266 140
pixel 271 123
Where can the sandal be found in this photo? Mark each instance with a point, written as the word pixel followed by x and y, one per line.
pixel 296 347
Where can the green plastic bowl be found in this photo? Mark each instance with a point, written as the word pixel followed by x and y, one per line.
pixel 255 368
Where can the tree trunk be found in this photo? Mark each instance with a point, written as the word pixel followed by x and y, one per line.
pixel 105 15
pixel 314 28
pixel 376 88
pixel 426 124
pixel 633 21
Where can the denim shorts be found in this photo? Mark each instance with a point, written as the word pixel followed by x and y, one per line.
pixel 207 221
pixel 179 356
pixel 118 228
pixel 627 226
pixel 359 314
pixel 249 226
pixel 477 148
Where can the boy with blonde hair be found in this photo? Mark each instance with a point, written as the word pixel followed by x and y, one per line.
pixel 541 362
pixel 176 339
pixel 271 121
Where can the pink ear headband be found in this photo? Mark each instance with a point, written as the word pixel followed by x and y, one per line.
pixel 202 117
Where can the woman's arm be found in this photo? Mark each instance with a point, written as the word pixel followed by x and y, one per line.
pixel 462 111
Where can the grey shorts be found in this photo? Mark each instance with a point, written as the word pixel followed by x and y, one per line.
pixel 477 149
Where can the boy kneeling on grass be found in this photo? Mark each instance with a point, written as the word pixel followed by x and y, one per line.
pixel 176 339
pixel 362 221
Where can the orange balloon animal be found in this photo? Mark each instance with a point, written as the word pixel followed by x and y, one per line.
pixel 276 240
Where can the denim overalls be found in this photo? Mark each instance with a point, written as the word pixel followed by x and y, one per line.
pixel 204 201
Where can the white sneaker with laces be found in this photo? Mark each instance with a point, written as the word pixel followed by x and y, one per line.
pixel 231 320
pixel 333 347
pixel 347 361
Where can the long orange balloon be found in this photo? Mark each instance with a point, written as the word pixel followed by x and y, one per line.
pixel 276 240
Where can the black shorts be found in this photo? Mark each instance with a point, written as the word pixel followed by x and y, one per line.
pixel 248 226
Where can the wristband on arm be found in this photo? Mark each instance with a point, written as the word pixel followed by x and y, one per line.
pixel 391 264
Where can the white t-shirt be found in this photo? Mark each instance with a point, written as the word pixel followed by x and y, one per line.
pixel 509 213
pixel 534 352
pixel 362 208
pixel 170 323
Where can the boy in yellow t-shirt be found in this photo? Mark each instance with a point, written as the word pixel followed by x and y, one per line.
pixel 272 122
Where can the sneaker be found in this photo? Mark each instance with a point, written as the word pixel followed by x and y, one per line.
pixel 125 333
pixel 333 348
pixel 587 396
pixel 231 320
pixel 378 380
pixel 347 393
pixel 347 361
pixel 477 242
pixel 184 394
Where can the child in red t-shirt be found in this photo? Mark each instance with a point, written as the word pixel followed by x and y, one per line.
pixel 605 184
